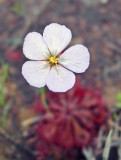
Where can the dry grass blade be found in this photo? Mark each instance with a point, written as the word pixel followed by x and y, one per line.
pixel 88 153
pixel 107 146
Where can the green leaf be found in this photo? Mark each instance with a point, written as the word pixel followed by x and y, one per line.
pixel 5 113
pixel 118 97
pixel 2 86
pixel 118 105
pixel 17 10
pixel 104 1
pixel 115 116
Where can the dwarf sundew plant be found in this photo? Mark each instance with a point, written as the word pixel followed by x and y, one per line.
pixel 50 65
pixel 75 123
pixel 80 118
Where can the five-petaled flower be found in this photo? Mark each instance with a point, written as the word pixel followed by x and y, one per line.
pixel 51 65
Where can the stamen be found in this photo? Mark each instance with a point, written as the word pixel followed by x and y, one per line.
pixel 53 60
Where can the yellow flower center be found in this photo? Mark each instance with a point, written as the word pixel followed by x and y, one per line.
pixel 53 60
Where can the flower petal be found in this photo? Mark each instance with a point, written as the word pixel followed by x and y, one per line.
pixel 34 47
pixel 76 58
pixel 35 73
pixel 60 79
pixel 57 37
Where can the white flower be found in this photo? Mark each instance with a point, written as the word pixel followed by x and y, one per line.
pixel 49 66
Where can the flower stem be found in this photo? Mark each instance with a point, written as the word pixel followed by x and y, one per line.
pixel 42 92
